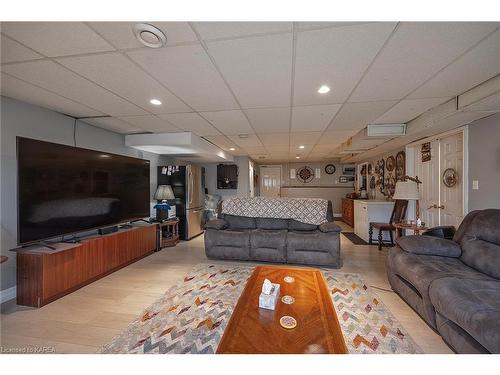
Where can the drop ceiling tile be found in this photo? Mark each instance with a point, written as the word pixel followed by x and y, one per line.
pixel 321 25
pixel 275 139
pixel 408 109
pixel 13 51
pixel 355 116
pixel 313 118
pixel 257 69
pixel 17 89
pixel 304 138
pixel 56 38
pixel 189 73
pixel 417 51
pixel 251 141
pixel 256 150
pixel 221 141
pixel 191 122
pixel 214 30
pixel 269 120
pixel 114 124
pixel 464 74
pixel 118 74
pixel 277 149
pixel 337 57
pixel 151 123
pixel 53 77
pixel 121 34
pixel 335 137
pixel 229 122
pixel 323 149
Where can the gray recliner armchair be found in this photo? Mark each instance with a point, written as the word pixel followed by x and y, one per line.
pixel 454 284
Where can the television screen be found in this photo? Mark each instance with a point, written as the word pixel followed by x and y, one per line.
pixel 65 189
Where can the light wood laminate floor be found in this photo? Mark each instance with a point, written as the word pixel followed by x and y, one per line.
pixel 84 320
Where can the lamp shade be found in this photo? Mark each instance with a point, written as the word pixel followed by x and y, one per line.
pixel 407 190
pixel 164 192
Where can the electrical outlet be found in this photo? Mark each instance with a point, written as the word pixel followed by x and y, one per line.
pixel 475 184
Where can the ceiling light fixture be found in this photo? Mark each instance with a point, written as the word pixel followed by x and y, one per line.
pixel 149 35
pixel 301 147
pixel 231 149
pixel 155 102
pixel 324 89
pixel 297 157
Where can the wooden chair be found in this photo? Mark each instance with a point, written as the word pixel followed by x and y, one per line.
pixel 398 214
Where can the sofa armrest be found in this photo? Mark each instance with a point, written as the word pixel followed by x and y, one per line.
pixel 329 227
pixel 446 232
pixel 427 245
pixel 218 224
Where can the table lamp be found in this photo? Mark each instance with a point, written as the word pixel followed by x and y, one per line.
pixel 162 194
pixel 408 190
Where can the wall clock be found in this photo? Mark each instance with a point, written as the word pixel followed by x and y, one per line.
pixel 305 174
pixel 390 163
pixel 330 169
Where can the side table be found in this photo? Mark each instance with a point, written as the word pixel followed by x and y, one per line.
pixel 168 233
pixel 403 226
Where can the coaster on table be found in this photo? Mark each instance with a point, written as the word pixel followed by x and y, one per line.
pixel 288 322
pixel 289 279
pixel 288 300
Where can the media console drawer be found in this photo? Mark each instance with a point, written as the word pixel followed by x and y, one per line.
pixel 44 275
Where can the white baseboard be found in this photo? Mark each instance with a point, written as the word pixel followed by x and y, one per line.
pixel 7 294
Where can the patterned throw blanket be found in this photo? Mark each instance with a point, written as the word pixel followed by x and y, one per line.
pixel 306 210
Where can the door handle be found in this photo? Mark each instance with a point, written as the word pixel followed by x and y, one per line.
pixel 433 206
pixel 442 206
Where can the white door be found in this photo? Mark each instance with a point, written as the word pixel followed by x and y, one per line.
pixel 427 172
pixel 270 181
pixel 451 198
pixel 439 204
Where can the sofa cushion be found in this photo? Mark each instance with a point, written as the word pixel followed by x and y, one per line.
pixel 464 225
pixel 216 224
pixel 426 245
pixel 227 244
pixel 474 305
pixel 481 243
pixel 240 222
pixel 313 241
pixel 271 223
pixel 329 227
pixel 297 225
pixel 269 245
pixel 229 237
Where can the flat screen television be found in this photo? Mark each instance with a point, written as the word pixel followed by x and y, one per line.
pixel 64 189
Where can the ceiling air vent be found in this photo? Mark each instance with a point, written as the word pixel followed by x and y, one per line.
pixel 385 130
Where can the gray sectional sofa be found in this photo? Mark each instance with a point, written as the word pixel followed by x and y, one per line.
pixel 273 240
pixel 454 284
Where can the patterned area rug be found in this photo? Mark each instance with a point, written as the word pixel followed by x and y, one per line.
pixel 192 315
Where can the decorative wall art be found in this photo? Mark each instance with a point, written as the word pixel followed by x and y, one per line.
pixel 450 177
pixel 330 169
pixel 380 174
pixel 400 165
pixel 426 151
pixel 305 174
pixel 390 163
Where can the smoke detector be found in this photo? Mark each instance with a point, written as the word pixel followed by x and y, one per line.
pixel 149 35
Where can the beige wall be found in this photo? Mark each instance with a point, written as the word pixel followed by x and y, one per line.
pixel 326 186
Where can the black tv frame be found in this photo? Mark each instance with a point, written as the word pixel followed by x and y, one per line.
pixel 42 240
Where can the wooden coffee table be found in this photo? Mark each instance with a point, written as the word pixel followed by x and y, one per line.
pixel 253 330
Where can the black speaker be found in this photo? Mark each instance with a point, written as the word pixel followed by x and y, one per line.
pixel 108 230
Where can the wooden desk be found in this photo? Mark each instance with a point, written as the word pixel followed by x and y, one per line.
pixel 253 330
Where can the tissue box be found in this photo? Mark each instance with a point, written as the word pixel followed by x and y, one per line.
pixel 268 301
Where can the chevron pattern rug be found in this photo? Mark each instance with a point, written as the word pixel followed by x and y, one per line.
pixel 192 315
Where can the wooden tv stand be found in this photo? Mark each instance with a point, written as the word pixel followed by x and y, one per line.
pixel 44 275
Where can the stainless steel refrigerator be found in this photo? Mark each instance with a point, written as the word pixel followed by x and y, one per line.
pixel 187 185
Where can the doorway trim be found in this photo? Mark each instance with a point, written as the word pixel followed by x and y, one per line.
pixel 410 164
pixel 261 177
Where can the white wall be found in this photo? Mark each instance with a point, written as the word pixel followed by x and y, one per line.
pixel 484 163
pixel 26 120
pixel 243 178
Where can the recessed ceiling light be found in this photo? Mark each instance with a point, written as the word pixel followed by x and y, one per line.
pixel 302 146
pixel 324 89
pixel 155 102
pixel 231 149
pixel 297 157
pixel 149 35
